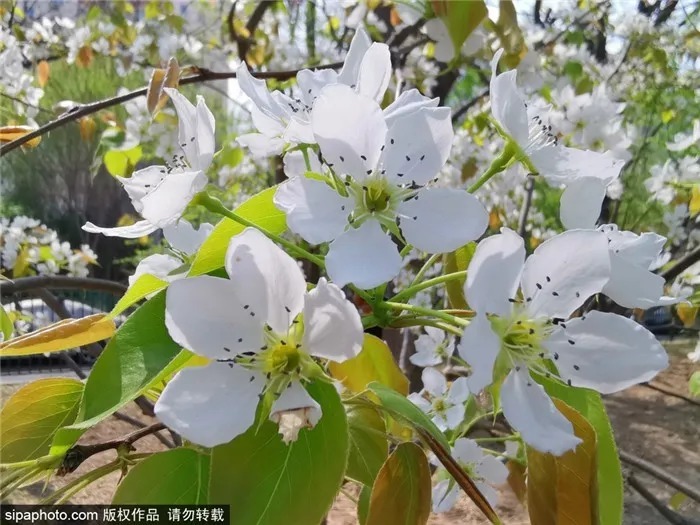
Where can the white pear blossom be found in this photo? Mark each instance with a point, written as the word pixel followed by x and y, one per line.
pixel 586 174
pixel 281 119
pixel 683 141
pixel 444 404
pixel 381 162
pixel 160 194
pixel 483 469
pixel 260 328
pixel 432 348
pixel 513 335
pixel 632 283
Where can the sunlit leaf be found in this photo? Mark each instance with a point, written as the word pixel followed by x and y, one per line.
pixel 694 205
pixel 401 494
pixel 144 286
pixel 43 70
pixel 461 18
pixel 694 384
pixel 10 133
pixel 374 363
pixel 458 261
pixel 369 447
pixel 121 162
pixel 6 326
pixel 687 313
pixel 63 335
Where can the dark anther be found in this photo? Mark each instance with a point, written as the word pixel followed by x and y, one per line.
pixel 227 349
pixel 240 339
pixel 287 309
pixel 369 172
pixel 556 356
pixel 578 294
pixel 342 159
pixel 252 378
pixel 408 159
pixel 517 369
pixel 422 157
pixel 399 174
pixel 252 314
pixel 568 382
pixel 576 367
pixel 555 294
pixel 572 342
pixel 539 286
pixel 363 157
pixel 511 300
pixel 246 306
pixel 548 279
pixel 532 331
pixel 392 141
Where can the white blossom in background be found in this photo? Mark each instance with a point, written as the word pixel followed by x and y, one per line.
pixel 445 404
pixel 514 335
pixel 160 194
pixel 683 141
pixel 432 348
pixel 483 469
pixel 260 328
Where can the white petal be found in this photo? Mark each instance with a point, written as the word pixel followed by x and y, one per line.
pixel 348 127
pixel 294 410
pixel 312 82
pixel 564 271
pixel 434 382
pixel 196 129
pixel 467 452
pixel 494 273
pixel 492 470
pixel 507 105
pixel 444 497
pixel 631 285
pixel 408 102
pixel 562 165
pixel 314 210
pixel 417 145
pixel 295 165
pixel 580 203
pixel 204 315
pixel 375 72
pixel 210 405
pixel 479 347
pixel 365 257
pixel 418 400
pixel 425 358
pixel 183 237
pixel 257 90
pixel 459 391
pixel 266 278
pixel 611 352
pixel 437 31
pixel 641 249
pixel 298 131
pixel 166 203
pixel 454 415
pixel 358 47
pixel 441 220
pixel 268 126
pixel 133 231
pixel 261 145
pixel 332 326
pixel 530 411
pixel 488 492
pixel 141 183
pixel 159 265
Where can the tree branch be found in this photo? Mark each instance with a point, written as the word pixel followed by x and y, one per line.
pixel 204 75
pixel 24 284
pixel 660 474
pixel 669 392
pixel 671 515
pixel 527 204
pixel 683 264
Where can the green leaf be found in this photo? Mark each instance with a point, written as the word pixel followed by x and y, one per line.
pixel 401 493
pixel 694 384
pixel 6 326
pixel 369 447
pixel 609 475
pixel 135 357
pixel 144 286
pixel 401 408
pixel 374 363
pixel 31 417
pixel 458 261
pixel 258 209
pixel 180 475
pixel 461 18
pixel 266 481
pixel 121 163
pixel 363 504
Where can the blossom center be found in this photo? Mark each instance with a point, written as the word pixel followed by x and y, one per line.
pixel 521 340
pixel 283 358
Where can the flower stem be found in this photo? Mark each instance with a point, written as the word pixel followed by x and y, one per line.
pixel 414 289
pixel 421 273
pixel 405 321
pixel 499 164
pixel 216 206
pixel 451 319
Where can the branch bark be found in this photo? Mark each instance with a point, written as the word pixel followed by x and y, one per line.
pixel 671 515
pixel 24 284
pixel 660 474
pixel 683 264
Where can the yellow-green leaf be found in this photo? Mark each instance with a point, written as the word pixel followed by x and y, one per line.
pixel 562 490
pixel 369 447
pixel 401 492
pixel 694 205
pixel 144 286
pixel 458 261
pixel 121 163
pixel 32 416
pixel 460 18
pixel 374 363
pixel 63 335
pixel 6 325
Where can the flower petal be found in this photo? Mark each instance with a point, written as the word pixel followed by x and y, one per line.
pixel 332 326
pixel 195 129
pixel 417 145
pixel 375 72
pixel 314 210
pixel 418 400
pixel 349 129
pixel 530 411
pixel 479 347
pixel 408 102
pixel 133 231
pixel 440 220
pixel 444 47
pixel 564 271
pixel 494 273
pixel 166 203
pixel 210 405
pixel 159 265
pixel 141 183
pixel 266 278
pixel 261 145
pixel 492 470
pixel 507 105
pixel 312 82
pixel 434 382
pixel 295 409
pixel 257 91
pixel 183 237
pixel 606 352
pixel 467 452
pixel 365 257
pixel 358 47
pixel 633 286
pixel 295 165
pixel 459 391
pixel 580 203
pixel 562 165
pixel 444 497
pixel 453 415
pixel 204 315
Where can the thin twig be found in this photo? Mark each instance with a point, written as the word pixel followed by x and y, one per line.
pixel 24 103
pixel 468 105
pixel 683 264
pixel 672 393
pixel 24 284
pixel 671 515
pixel 527 204
pixel 660 474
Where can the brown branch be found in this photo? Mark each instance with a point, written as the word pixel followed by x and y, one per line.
pixel 672 393
pixel 660 474
pixel 683 264
pixel 77 112
pixel 24 284
pixel 527 204
pixel 79 453
pixel 671 515
pixel 470 104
